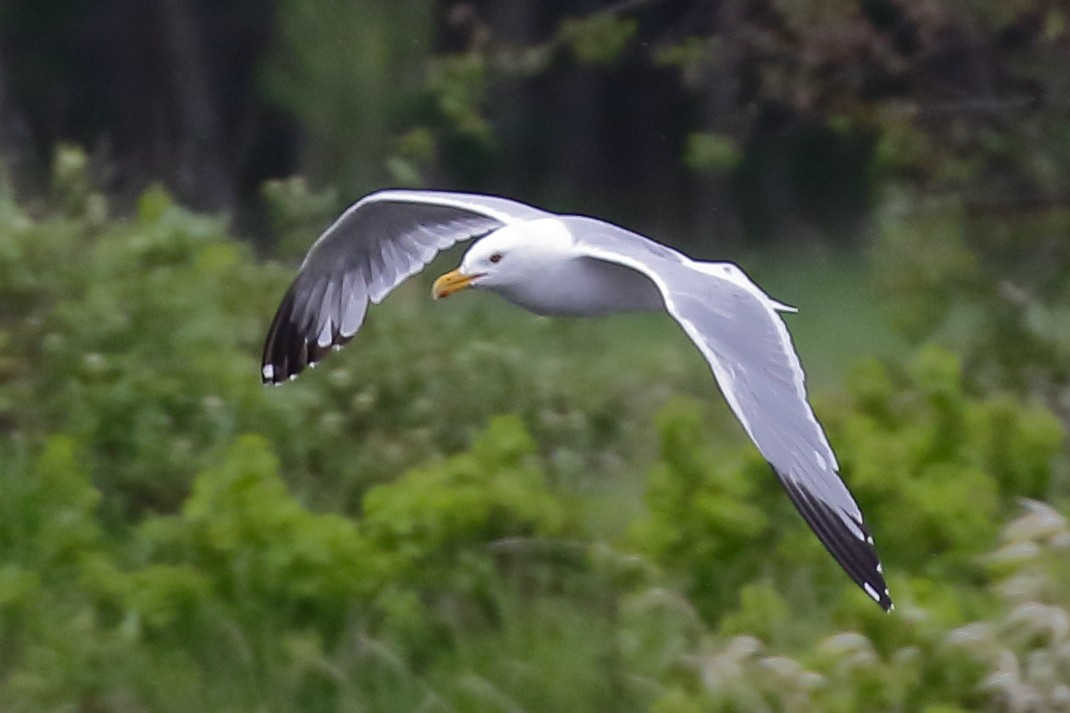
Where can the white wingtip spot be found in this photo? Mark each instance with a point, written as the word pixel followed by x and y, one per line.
pixel 268 372
pixel 869 539
pixel 880 570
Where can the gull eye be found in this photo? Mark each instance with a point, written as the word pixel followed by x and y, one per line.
pixel 496 258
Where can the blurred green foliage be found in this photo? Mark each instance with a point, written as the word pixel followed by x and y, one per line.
pixel 711 152
pixel 945 462
pixel 461 514
pixel 350 104
pixel 598 38
pixel 422 522
pixel 988 282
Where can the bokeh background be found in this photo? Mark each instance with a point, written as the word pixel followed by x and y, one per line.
pixel 474 509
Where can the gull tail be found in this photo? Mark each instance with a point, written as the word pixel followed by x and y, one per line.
pixel 733 273
pixel 780 306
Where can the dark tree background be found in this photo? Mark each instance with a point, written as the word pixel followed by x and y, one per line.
pixel 752 118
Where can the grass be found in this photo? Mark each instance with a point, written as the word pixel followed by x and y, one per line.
pixel 840 319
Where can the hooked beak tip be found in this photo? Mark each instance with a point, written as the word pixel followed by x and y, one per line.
pixel 453 281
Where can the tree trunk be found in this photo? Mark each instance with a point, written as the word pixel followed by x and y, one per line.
pixel 14 136
pixel 200 173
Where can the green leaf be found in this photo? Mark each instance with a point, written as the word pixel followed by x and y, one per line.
pixel 600 38
pixel 711 152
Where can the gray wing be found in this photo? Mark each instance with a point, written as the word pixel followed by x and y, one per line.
pixel 749 350
pixel 375 245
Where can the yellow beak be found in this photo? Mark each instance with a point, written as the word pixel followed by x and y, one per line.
pixel 451 282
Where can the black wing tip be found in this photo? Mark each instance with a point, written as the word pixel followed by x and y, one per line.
pixel 270 375
pixel 876 588
pixel 883 599
pixel 288 349
pixel 856 555
pixel 293 356
pixel 873 583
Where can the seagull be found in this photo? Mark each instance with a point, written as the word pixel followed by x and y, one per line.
pixel 557 265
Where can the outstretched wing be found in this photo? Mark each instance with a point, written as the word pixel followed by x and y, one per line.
pixel 749 350
pixel 375 245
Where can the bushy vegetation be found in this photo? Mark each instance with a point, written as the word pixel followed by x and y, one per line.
pixel 459 513
pixel 474 509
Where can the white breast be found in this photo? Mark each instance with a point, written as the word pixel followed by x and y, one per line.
pixel 584 287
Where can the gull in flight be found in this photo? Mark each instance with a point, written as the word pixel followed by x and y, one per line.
pixel 573 265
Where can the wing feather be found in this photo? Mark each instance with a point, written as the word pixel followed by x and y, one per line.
pixel 376 244
pixel 749 350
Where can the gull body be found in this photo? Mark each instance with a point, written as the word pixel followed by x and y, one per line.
pixel 567 285
pixel 567 265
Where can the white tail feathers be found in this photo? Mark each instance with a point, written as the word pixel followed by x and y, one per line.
pixel 780 306
pixel 732 272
